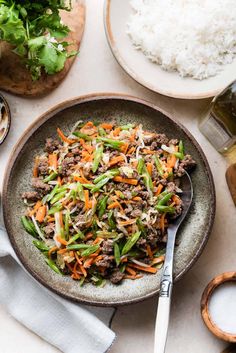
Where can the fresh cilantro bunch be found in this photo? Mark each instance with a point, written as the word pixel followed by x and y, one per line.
pixel 35 30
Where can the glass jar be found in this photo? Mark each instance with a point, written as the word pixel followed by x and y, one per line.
pixel 219 122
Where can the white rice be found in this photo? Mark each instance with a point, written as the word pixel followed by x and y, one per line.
pixel 194 37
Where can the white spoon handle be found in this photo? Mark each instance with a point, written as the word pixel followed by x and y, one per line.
pixel 162 323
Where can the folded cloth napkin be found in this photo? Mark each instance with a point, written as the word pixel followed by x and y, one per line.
pixel 70 327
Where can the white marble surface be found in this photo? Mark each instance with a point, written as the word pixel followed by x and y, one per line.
pixel 96 71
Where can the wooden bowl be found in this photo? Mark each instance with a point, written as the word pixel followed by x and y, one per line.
pixel 215 283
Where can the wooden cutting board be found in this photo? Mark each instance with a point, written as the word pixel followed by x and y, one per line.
pixel 15 78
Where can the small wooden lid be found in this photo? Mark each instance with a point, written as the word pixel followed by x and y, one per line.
pixel 216 282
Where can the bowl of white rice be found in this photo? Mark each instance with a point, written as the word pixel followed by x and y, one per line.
pixel 179 48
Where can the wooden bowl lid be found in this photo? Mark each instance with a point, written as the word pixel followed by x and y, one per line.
pixel 216 282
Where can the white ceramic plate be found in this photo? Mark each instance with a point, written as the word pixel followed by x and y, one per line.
pixel 150 75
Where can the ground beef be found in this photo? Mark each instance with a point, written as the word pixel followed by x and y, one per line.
pixel 75 151
pixel 186 164
pixel 154 146
pixel 102 169
pixel 40 186
pixel 66 165
pixel 107 247
pixel 149 139
pixel 173 142
pixel 154 236
pixel 49 230
pixel 116 276
pixel 31 196
pixel 171 187
pixel 163 182
pixel 105 262
pixel 141 242
pixel 136 213
pixel 128 209
pixel 161 139
pixel 51 145
pixel 43 166
pixel 144 194
pixel 128 194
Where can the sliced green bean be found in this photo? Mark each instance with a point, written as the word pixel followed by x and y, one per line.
pixel 92 249
pixel 158 166
pixel 130 243
pixel 51 177
pixel 97 158
pixel 29 226
pixel 40 245
pixel 53 266
pixel 117 253
pixel 102 206
pixel 82 136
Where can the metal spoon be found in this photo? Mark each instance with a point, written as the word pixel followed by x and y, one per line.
pixel 163 310
pixel 5 119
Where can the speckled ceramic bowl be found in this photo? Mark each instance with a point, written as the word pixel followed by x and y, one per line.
pixel 193 234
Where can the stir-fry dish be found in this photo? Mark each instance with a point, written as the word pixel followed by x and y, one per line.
pixel 102 200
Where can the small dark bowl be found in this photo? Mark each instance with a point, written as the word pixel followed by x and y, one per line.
pixel 5 119
pixel 194 232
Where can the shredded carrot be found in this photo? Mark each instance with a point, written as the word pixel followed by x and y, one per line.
pixel 77 258
pixel 82 175
pixel 52 161
pixel 162 223
pixel 158 260
pixel 55 248
pixel 106 126
pixel 61 241
pixel 130 271
pixel 88 236
pixel 125 259
pixel 75 276
pixel 63 137
pixel 35 169
pixel 100 257
pixel 143 268
pixel 119 179
pixel 41 213
pixel 116 132
pixel 59 180
pixel 87 201
pixel 116 160
pixel 97 240
pixel 62 251
pixel 88 262
pixel 149 251
pixel 131 150
pixel 80 179
pixel 159 189
pixel 51 219
pixel 147 151
pixel 137 198
pixel 132 137
pixel 132 277
pixel 36 207
pixel 176 199
pixel 88 148
pixel 124 147
pixel 149 168
pixel 82 269
pixel 171 162
pixel 115 204
pixel 127 223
